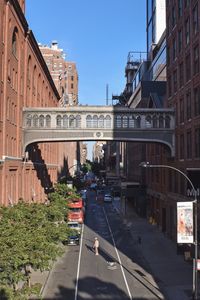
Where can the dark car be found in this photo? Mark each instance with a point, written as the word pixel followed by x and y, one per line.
pixel 73 239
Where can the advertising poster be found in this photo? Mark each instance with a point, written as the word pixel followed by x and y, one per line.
pixel 185 222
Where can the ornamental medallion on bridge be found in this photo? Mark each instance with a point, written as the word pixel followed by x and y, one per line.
pixel 99 134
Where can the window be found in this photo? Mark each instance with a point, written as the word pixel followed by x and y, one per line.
pixel 197 143
pixel 187 31
pixel 181 110
pixel 89 121
pixel 48 121
pixel 173 16
pixel 186 3
pixel 181 75
pixel 188 67
pixel 72 78
pixel 14 42
pixel 41 121
pixel 181 146
pixel 180 8
pixel 188 105
pixel 65 121
pixel 169 86
pixel 174 48
pixel 197 101
pixel 108 122
pixel 78 121
pixel 95 121
pixel 118 121
pixel 58 121
pixel 180 40
pixel 72 121
pixel 195 19
pixel 124 121
pixel 72 85
pixel 189 144
pixel 101 122
pixel 175 80
pixel 196 59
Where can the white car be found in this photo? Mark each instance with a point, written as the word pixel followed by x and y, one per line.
pixel 74 225
pixel 107 198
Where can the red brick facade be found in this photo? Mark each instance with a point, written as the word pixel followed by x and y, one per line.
pixel 25 81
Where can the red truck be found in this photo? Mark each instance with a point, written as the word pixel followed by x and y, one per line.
pixel 76 210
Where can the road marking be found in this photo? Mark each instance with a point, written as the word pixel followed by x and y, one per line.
pixel 79 263
pixel 119 259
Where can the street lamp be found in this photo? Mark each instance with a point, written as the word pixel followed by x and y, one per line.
pixel 194 286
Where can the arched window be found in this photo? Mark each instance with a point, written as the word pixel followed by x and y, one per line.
pixel 155 123
pixel 118 121
pixel 161 122
pixel 108 122
pixel 89 121
pixel 124 121
pixel 41 121
pixel 28 120
pixel 48 121
pixel 101 122
pixel 58 121
pixel 65 121
pixel 14 42
pixel 78 121
pixel 95 121
pixel 138 122
pixel 167 122
pixel 35 121
pixel 72 121
pixel 148 122
pixel 131 121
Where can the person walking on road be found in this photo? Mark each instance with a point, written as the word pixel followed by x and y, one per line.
pixel 96 246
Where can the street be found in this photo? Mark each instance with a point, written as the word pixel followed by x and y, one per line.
pixel 119 272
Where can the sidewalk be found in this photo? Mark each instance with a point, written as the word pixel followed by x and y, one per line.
pixel 173 274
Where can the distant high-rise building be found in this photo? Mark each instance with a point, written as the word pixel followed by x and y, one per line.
pixel 64 73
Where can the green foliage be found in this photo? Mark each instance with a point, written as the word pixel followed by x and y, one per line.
pixel 31 235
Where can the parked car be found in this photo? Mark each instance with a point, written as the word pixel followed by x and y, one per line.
pixel 107 198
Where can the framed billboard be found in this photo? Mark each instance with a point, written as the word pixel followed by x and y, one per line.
pixel 185 224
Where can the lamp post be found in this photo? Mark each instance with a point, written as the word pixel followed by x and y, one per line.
pixel 194 285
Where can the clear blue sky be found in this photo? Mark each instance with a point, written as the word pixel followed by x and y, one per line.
pixel 96 34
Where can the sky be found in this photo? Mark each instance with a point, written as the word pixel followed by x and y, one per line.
pixel 95 34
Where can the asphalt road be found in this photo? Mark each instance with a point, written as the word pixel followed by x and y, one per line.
pixel 118 272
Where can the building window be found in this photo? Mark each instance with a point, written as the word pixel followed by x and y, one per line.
pixel 195 19
pixel 188 105
pixel 187 31
pixel 169 86
pixel 196 59
pixel 188 67
pixel 189 144
pixel 175 80
pixel 174 48
pixel 180 8
pixel 197 143
pixel 72 78
pixel 197 101
pixel 181 75
pixel 14 42
pixel 173 16
pixel 181 110
pixel 181 146
pixel 186 3
pixel 168 55
pixel 180 40
pixel 72 85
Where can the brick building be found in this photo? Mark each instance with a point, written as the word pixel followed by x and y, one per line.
pixel 25 81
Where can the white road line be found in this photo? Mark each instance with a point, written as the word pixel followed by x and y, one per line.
pixel 79 262
pixel 119 259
